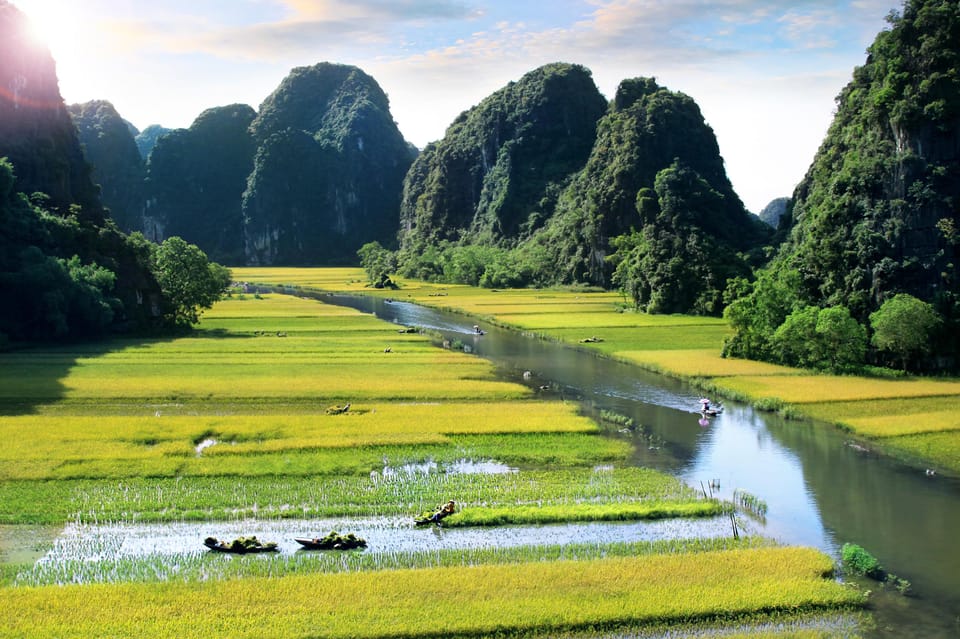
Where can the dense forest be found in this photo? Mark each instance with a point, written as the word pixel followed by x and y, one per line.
pixel 66 269
pixel 871 237
pixel 543 182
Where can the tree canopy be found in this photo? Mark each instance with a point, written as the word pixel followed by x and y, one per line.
pixel 189 282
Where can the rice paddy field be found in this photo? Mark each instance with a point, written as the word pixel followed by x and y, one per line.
pixel 905 417
pixel 282 414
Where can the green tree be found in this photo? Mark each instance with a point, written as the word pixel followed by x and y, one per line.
pixel 378 262
pixel 759 310
pixel 793 341
pixel 904 326
pixel 824 338
pixel 841 340
pixel 188 281
pixel 675 263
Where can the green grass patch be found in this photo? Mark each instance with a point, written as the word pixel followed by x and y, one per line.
pixel 275 496
pixel 527 514
pixel 941 451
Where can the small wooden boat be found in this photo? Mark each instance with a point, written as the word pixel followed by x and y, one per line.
pixel 333 541
pixel 240 546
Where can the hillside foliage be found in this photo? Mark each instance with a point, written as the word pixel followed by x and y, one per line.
pixel 110 148
pixel 876 214
pixel 196 178
pixel 638 199
pixel 495 176
pixel 327 173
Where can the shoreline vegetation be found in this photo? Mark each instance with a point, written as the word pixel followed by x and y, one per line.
pixel 284 408
pixel 906 417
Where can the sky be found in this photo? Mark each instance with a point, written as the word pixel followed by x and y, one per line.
pixel 764 72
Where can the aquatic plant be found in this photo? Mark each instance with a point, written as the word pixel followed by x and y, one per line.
pixel 750 503
pixel 859 561
pixel 616 418
pixel 199 566
pixel 335 541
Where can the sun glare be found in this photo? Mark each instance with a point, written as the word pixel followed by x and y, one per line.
pixel 53 23
pixel 41 22
pixel 67 30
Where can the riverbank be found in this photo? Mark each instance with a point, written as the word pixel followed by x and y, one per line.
pixel 906 418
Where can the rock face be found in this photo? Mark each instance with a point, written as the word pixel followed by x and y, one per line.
pixel 109 147
pixel 36 132
pixel 879 208
pixel 772 212
pixel 196 179
pixel 495 176
pixel 647 129
pixel 328 169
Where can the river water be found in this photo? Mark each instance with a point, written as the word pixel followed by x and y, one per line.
pixel 820 490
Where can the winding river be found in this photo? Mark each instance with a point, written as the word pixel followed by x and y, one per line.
pixel 820 490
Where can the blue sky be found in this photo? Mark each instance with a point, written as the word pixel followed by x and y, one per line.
pixel 765 73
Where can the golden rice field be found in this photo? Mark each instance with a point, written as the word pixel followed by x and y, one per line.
pixel 479 600
pixel 689 348
pixel 232 422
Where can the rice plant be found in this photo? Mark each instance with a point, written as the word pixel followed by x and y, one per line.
pixel 546 597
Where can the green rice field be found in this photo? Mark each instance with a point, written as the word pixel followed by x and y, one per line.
pixel 689 348
pixel 280 408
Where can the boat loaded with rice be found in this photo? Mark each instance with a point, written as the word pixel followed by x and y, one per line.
pixel 332 541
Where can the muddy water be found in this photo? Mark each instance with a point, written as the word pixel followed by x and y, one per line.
pixel 820 491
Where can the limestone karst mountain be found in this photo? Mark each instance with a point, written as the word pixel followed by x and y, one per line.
pixel 328 169
pixel 65 270
pixel 110 149
pixel 196 179
pixel 495 176
pixel 36 132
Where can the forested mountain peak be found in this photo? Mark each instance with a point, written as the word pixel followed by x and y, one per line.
pixel 495 176
pixel 147 139
pixel 328 169
pixel 655 168
pixel 877 212
pixel 109 146
pixel 867 216
pixel 773 211
pixel 632 90
pixel 65 270
pixel 327 100
pixel 196 179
